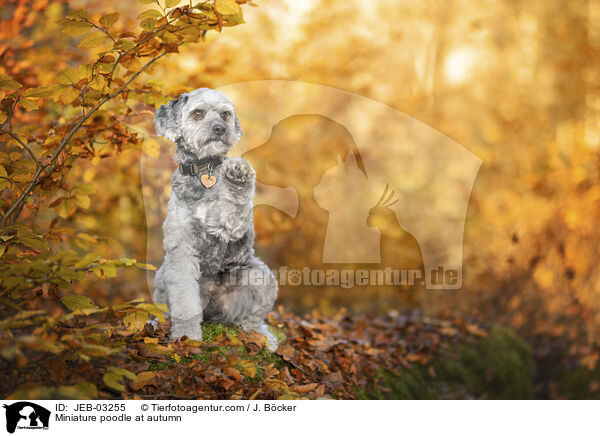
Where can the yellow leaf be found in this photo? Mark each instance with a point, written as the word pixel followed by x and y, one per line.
pixel 109 19
pixel 95 350
pixel 39 92
pixel 84 188
pixel 114 376
pixel 83 201
pixel 84 71
pixel 171 3
pixel 132 64
pixel 98 82
pixel 150 13
pixel 142 379
pixel 74 302
pixel 228 7
pixel 7 83
pixel 147 2
pixel 68 76
pixel 68 95
pixel 3 116
pixel 78 13
pixel 247 368
pixel 156 310
pixel 74 27
pixel 92 40
pixel 29 104
pixel 136 320
pixel 148 24
pixel 21 177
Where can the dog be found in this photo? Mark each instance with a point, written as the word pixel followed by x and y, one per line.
pixel 210 272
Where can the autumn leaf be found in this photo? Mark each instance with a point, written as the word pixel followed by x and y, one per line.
pixel 142 379
pixel 75 302
pixel 92 40
pixel 150 13
pixel 68 76
pixel 109 19
pixel 228 7
pixel 8 84
pixel 136 320
pixel 74 27
pixel 114 376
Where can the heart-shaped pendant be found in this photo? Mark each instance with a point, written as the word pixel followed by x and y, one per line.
pixel 208 181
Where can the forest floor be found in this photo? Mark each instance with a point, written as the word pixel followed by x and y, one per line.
pixel 99 355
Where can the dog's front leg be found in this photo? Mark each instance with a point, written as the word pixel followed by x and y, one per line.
pixel 237 194
pixel 180 275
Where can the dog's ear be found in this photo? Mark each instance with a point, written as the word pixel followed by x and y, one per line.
pixel 167 118
pixel 238 130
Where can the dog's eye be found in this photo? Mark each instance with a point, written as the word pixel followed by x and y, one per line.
pixel 225 115
pixel 198 114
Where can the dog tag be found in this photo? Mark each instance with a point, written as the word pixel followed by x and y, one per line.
pixel 208 181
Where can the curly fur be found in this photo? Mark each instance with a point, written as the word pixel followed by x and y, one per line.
pixel 209 232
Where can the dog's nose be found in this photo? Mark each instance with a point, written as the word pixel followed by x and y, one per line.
pixel 218 129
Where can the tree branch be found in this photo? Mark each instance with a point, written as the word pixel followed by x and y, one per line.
pixel 16 138
pixel 14 211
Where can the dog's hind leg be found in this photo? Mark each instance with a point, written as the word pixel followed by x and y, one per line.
pixel 244 297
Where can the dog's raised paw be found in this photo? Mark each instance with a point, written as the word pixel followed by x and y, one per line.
pixel 238 171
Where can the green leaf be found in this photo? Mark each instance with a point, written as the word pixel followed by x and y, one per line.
pixel 75 302
pixel 7 83
pixel 228 7
pixel 74 27
pixel 3 116
pixel 150 13
pixel 171 3
pixel 32 240
pixel 109 19
pixel 147 2
pixel 92 40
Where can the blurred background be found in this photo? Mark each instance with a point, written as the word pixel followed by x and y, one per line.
pixel 516 83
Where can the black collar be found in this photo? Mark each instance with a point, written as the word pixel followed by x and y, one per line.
pixel 201 166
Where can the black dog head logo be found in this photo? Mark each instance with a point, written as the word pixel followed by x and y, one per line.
pixel 27 414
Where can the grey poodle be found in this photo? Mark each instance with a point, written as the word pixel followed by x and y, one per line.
pixel 210 273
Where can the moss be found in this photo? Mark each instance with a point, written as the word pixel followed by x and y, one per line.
pixel 498 366
pixel 278 333
pixel 211 331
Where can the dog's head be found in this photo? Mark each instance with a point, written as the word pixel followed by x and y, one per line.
pixel 202 121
